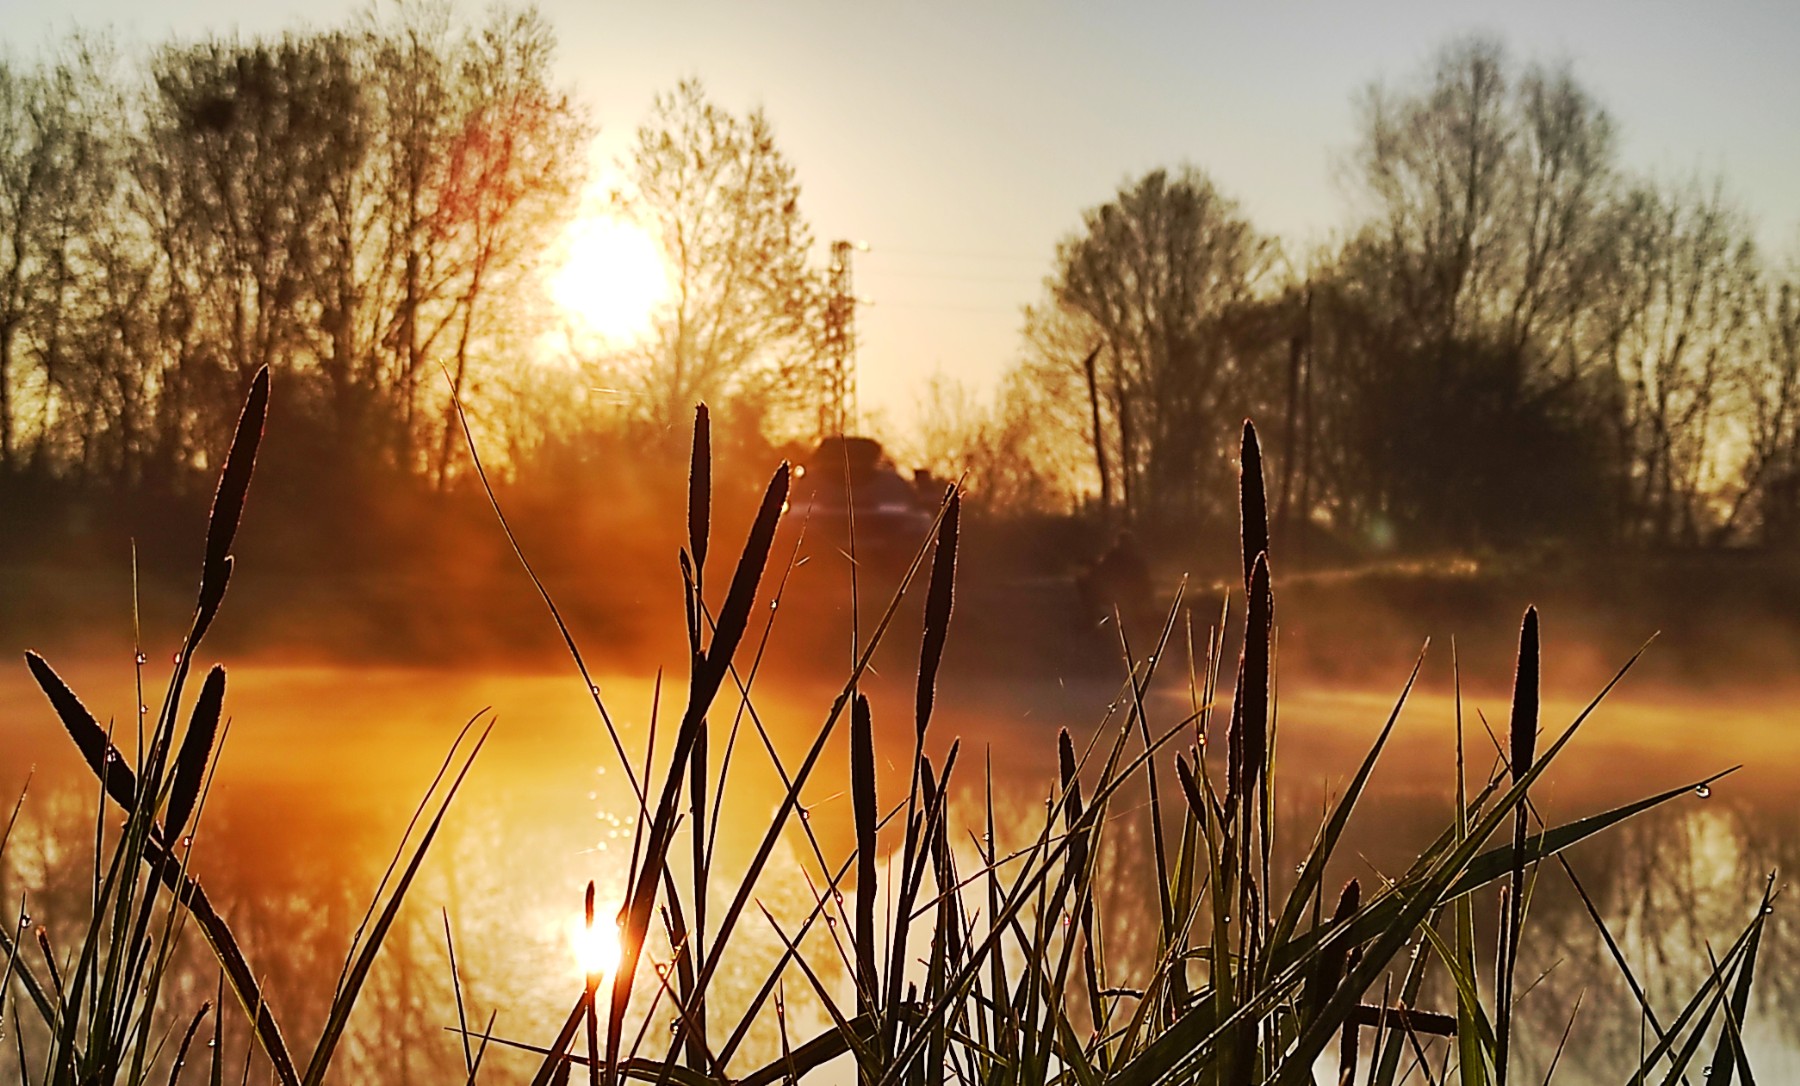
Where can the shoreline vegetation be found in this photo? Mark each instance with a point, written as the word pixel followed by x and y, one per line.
pixel 964 963
pixel 1724 621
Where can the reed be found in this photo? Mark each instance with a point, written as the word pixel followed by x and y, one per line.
pixel 984 961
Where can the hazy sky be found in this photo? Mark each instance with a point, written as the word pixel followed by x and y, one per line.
pixel 961 140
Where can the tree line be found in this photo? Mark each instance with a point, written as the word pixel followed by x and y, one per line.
pixel 1515 340
pixel 357 209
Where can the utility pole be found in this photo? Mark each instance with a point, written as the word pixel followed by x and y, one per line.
pixel 837 404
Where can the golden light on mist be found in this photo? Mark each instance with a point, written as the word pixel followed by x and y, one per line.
pixel 596 949
pixel 612 280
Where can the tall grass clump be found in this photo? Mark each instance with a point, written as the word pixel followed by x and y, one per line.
pixel 937 951
pixel 102 1009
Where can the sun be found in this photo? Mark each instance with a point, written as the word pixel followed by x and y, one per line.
pixel 612 280
pixel 596 949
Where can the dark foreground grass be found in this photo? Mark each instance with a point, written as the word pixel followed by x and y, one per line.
pixel 968 963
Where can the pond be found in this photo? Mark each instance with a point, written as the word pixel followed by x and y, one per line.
pixel 323 767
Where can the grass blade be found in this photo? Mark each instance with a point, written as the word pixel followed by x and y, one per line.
pixel 940 597
pixel 700 490
pixel 865 810
pixel 1523 736
pixel 196 750
pixel 341 1005
pixel 228 505
pixel 90 739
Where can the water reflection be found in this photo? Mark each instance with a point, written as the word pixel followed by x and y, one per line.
pixel 323 767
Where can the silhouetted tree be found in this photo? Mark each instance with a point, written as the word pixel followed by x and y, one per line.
pixel 1487 196
pixel 245 148
pixel 743 324
pixel 1688 291
pixel 1155 273
pixel 1018 451
pixel 53 193
pixel 1771 472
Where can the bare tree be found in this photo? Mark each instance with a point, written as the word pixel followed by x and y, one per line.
pixel 245 150
pixel 512 177
pixel 1681 352
pixel 1060 366
pixel 1488 197
pixel 723 199
pixel 53 193
pixel 1155 272
pixel 1018 451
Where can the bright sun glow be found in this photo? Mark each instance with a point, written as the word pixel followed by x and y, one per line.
pixel 596 949
pixel 613 279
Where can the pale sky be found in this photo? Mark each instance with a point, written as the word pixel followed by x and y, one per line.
pixel 962 140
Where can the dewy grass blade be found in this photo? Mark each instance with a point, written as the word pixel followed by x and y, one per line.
pixel 91 740
pixel 228 507
pixel 1729 1058
pixel 187 1039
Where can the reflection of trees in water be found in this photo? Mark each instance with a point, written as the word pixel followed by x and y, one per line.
pixel 508 878
pixel 292 905
pixel 1670 885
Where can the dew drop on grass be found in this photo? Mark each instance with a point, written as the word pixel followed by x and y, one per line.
pixel 1703 791
pixel 210 1043
pixel 143 709
pixel 1300 869
pixel 187 840
pixel 805 814
pixel 674 1025
pixel 142 659
pixel 175 658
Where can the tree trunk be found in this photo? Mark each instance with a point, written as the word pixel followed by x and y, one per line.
pixel 1093 387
